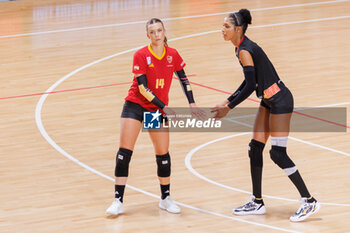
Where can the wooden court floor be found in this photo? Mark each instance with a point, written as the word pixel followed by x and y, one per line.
pixel 58 149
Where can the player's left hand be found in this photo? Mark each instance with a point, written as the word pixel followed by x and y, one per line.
pixel 169 112
pixel 197 112
pixel 220 112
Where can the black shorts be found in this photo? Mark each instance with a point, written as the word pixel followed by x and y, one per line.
pixel 281 103
pixel 135 111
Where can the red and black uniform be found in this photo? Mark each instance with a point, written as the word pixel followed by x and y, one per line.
pixel 150 91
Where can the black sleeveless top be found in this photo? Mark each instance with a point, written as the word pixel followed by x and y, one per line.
pixel 265 73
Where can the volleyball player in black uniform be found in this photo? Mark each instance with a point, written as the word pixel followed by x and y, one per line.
pixel 273 117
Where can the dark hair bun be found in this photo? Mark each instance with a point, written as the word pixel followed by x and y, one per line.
pixel 247 18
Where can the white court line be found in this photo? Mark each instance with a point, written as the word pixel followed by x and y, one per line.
pixel 238 122
pixel 166 19
pixel 302 21
pixel 64 153
pixel 295 139
pixel 193 171
pixel 332 105
pixel 243 116
pixel 319 146
pixel 321 106
pixel 68 156
pixel 264 26
pixel 43 132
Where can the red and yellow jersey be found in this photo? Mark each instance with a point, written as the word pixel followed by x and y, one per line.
pixel 159 72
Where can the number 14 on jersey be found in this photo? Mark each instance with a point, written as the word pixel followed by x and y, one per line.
pixel 160 83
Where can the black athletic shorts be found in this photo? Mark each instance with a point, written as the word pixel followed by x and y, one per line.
pixel 135 111
pixel 280 103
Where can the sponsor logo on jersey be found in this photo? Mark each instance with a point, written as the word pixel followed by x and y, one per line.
pixel 136 67
pixel 170 59
pixel 149 62
pixel 182 63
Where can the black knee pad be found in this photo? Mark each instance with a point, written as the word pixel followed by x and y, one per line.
pixel 122 162
pixel 164 164
pixel 255 152
pixel 279 155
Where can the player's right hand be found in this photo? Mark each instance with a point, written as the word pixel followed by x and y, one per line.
pixel 223 104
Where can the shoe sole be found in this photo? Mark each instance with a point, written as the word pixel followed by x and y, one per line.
pixel 318 206
pixel 248 213
pixel 259 212
pixel 113 213
pixel 163 208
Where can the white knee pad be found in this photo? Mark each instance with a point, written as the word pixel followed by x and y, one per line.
pixel 279 141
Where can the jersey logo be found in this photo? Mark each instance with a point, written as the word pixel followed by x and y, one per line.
pixel 170 59
pixel 151 65
pixel 136 67
pixel 182 63
pixel 149 62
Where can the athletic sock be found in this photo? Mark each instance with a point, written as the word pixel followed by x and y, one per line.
pixel 259 201
pixel 299 184
pixel 256 175
pixel 311 199
pixel 256 165
pixel 119 192
pixel 165 189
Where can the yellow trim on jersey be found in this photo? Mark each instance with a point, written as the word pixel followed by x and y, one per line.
pixel 154 54
pixel 148 95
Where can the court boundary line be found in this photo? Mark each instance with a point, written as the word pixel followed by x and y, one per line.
pixel 78 162
pixel 63 91
pixel 298 140
pixel 166 19
pixel 190 154
pixel 294 111
pixel 64 153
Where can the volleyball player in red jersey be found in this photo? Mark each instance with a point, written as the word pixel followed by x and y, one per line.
pixel 153 66
pixel 273 117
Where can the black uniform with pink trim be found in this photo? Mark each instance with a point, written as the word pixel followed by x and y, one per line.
pixel 269 88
